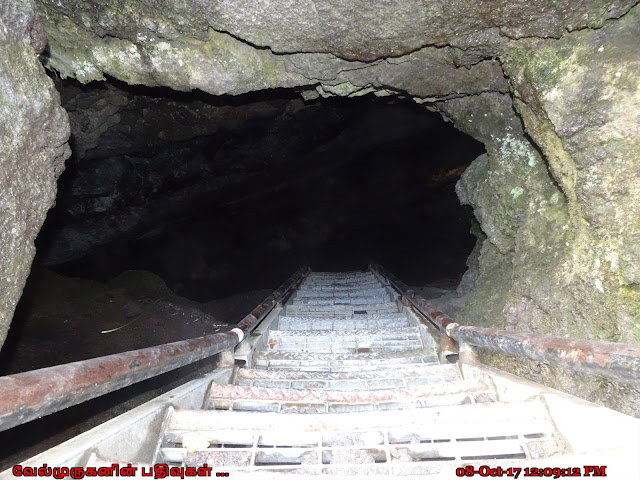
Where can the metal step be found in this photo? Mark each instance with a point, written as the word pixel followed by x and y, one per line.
pixel 341 281
pixel 407 376
pixel 341 292
pixel 359 301
pixel 346 341
pixel 357 322
pixel 340 287
pixel 392 443
pixel 344 310
pixel 344 362
pixel 340 275
pixel 336 288
pixel 284 400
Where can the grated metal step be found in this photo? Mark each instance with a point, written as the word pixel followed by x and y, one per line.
pixel 342 362
pixel 259 399
pixel 344 281
pixel 341 292
pixel 360 301
pixel 392 443
pixel 340 275
pixel 408 376
pixel 357 322
pixel 334 289
pixel 340 288
pixel 341 284
pixel 346 341
pixel 345 310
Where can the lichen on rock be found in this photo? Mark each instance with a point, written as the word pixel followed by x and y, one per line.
pixel 352 30
pixel 519 209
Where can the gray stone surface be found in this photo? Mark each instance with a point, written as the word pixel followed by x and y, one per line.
pixel 560 205
pixel 580 99
pixel 33 146
pixel 359 30
pixel 222 64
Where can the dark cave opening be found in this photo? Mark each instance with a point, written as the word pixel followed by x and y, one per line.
pixel 334 182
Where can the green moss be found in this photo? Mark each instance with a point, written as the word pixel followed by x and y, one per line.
pixel 115 67
pixel 630 296
pixel 113 6
pixel 272 72
pixel 542 64
pixel 485 307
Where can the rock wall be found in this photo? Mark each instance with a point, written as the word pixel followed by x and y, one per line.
pixel 33 137
pixel 574 270
pixel 140 160
pixel 579 98
pixel 522 214
pixel 558 197
pixel 168 44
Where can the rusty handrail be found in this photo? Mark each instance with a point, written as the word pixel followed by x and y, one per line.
pixel 617 361
pixel 439 319
pixel 30 395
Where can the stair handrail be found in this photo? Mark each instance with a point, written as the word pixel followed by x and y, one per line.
pixel 30 395
pixel 612 360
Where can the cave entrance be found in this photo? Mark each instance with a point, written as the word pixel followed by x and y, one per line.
pixel 173 201
pixel 221 195
pixel 178 213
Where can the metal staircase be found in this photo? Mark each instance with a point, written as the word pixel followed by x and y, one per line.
pixel 345 380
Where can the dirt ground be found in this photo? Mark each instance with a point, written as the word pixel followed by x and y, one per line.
pixel 62 319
